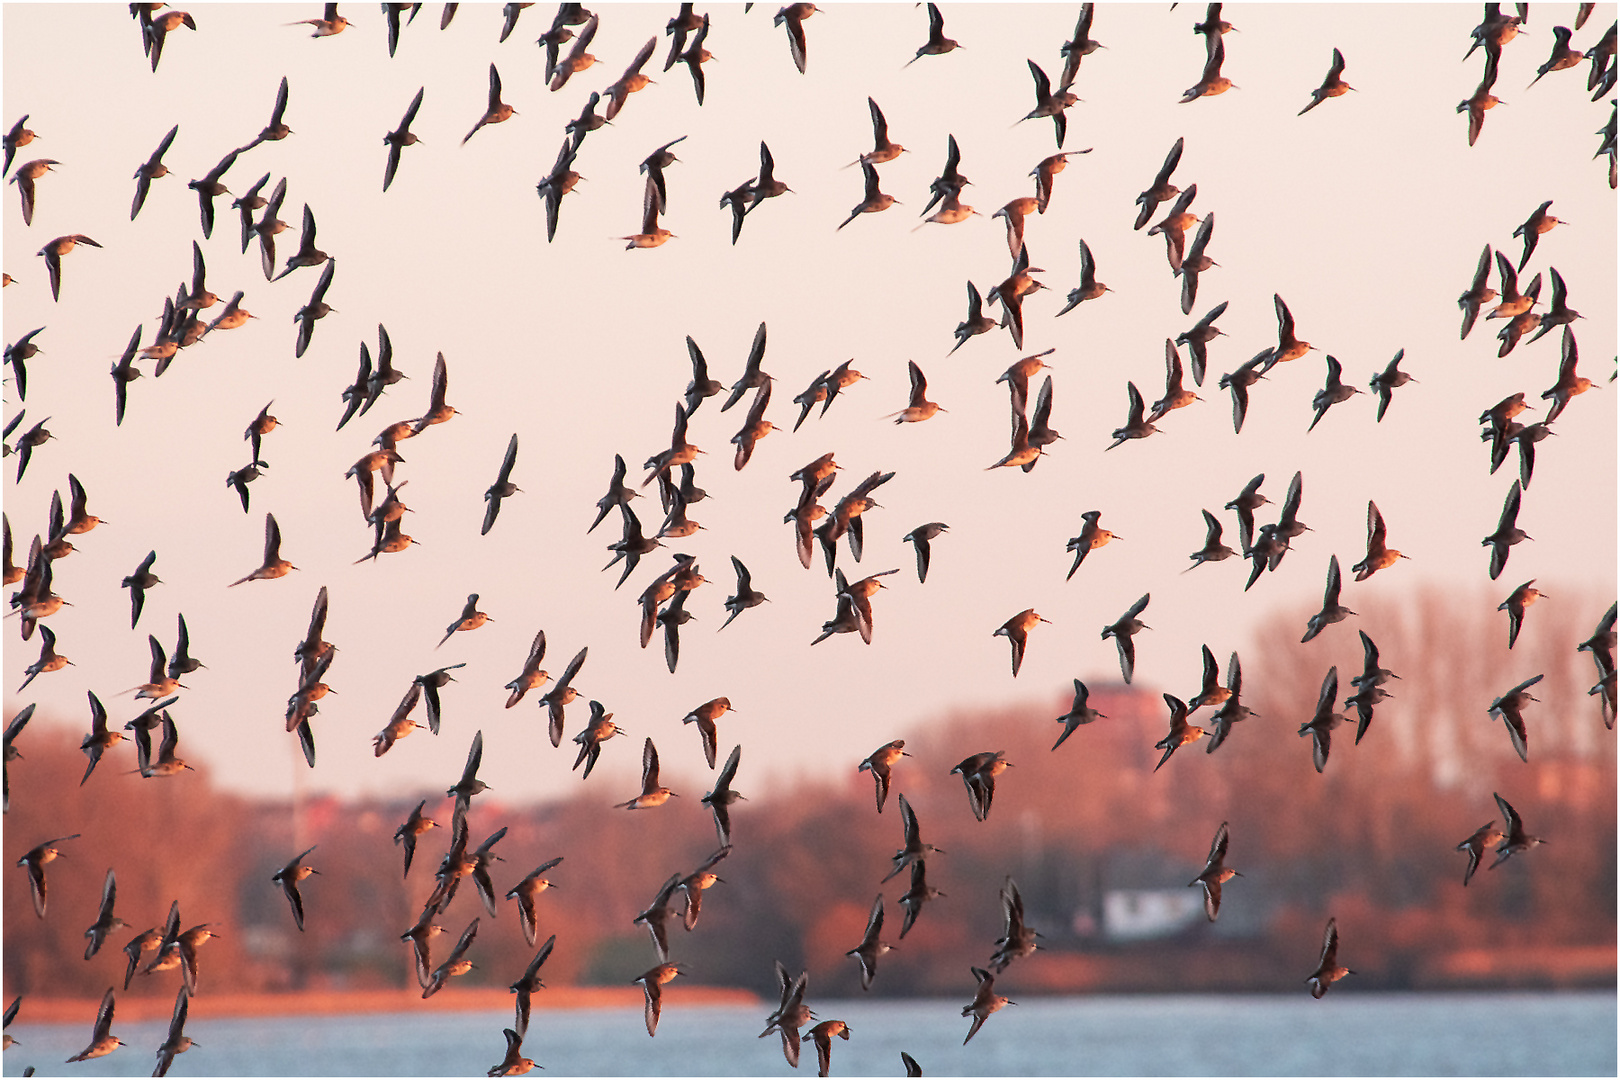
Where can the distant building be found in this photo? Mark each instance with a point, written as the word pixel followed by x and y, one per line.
pixel 1144 914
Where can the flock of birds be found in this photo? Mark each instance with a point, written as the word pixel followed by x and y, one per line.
pixel 661 604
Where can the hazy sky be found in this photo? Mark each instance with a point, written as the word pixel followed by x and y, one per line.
pixel 1367 215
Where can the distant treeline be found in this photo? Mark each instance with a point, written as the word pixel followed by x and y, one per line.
pixel 1101 846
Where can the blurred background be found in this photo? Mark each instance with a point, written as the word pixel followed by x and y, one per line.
pixel 1366 215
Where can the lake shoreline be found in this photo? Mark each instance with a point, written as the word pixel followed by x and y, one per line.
pixel 53 1010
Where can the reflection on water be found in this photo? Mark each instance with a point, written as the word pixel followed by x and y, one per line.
pixel 1345 1034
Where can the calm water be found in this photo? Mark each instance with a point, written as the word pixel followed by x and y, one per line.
pixel 1552 1034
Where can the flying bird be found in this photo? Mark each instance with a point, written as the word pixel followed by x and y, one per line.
pixel 652 982
pixel 577 60
pixel 919 408
pixel 1569 384
pixel 1332 611
pixel 1017 938
pixel 1195 262
pixel 793 17
pixel 106 922
pixel 1123 630
pixel 514 1063
pixel 408 833
pixel 985 1002
pixel 176 1042
pixel 766 185
pixel 526 892
pixel 1328 970
pixel 562 692
pixel 652 234
pixel 275 130
pixel 455 964
pixel 329 24
pixel 881 763
pixel 1379 556
pixel 274 565
pixel 1181 732
pixel 1016 631
pixel 704 716
pixel 979 773
pixel 1081 45
pixel 872 946
pixel 695 57
pixel 529 982
pixel 181 661
pixel 677 28
pixel 469 784
pixel 654 164
pixel 1487 835
pixel 1050 103
pixel 1515 839
pixel 792 1013
pixel 822 1035
pixel 401 137
pixel 936 45
pixel 1136 426
pixel 657 915
pixel 1516 604
pixel 288 878
pixel 497 110
pixel 916 895
pixel 502 488
pixel 1476 104
pixel 1213 550
pixel 1386 382
pixel 1507 532
pixel 914 850
pixel 720 799
pixel 53 252
pixel 158 30
pixel 1239 381
pixel 1537 223
pixel 1044 172
pixel 755 427
pixel 746 595
pixel 1232 710
pixel 598 730
pixel 102 1040
pixel 24 177
pixel 921 537
pixel 1321 724
pixel 1176 396
pixel 652 793
pixel 306 255
pixel 874 201
pixel 1332 86
pixel 631 81
pixel 1079 713
pixel 560 181
pixel 1558 312
pixel 152 169
pixel 1092 536
pixel 693 885
pixel 35 860
pixel 1215 873
pixel 1509 708
pixel 1198 338
pixel 19 135
pixel 1211 82
pixel 1562 57
pixel 1089 288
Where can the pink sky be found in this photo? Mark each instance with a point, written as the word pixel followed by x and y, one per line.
pixel 1367 215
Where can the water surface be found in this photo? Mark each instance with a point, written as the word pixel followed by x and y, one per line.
pixel 1345 1034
